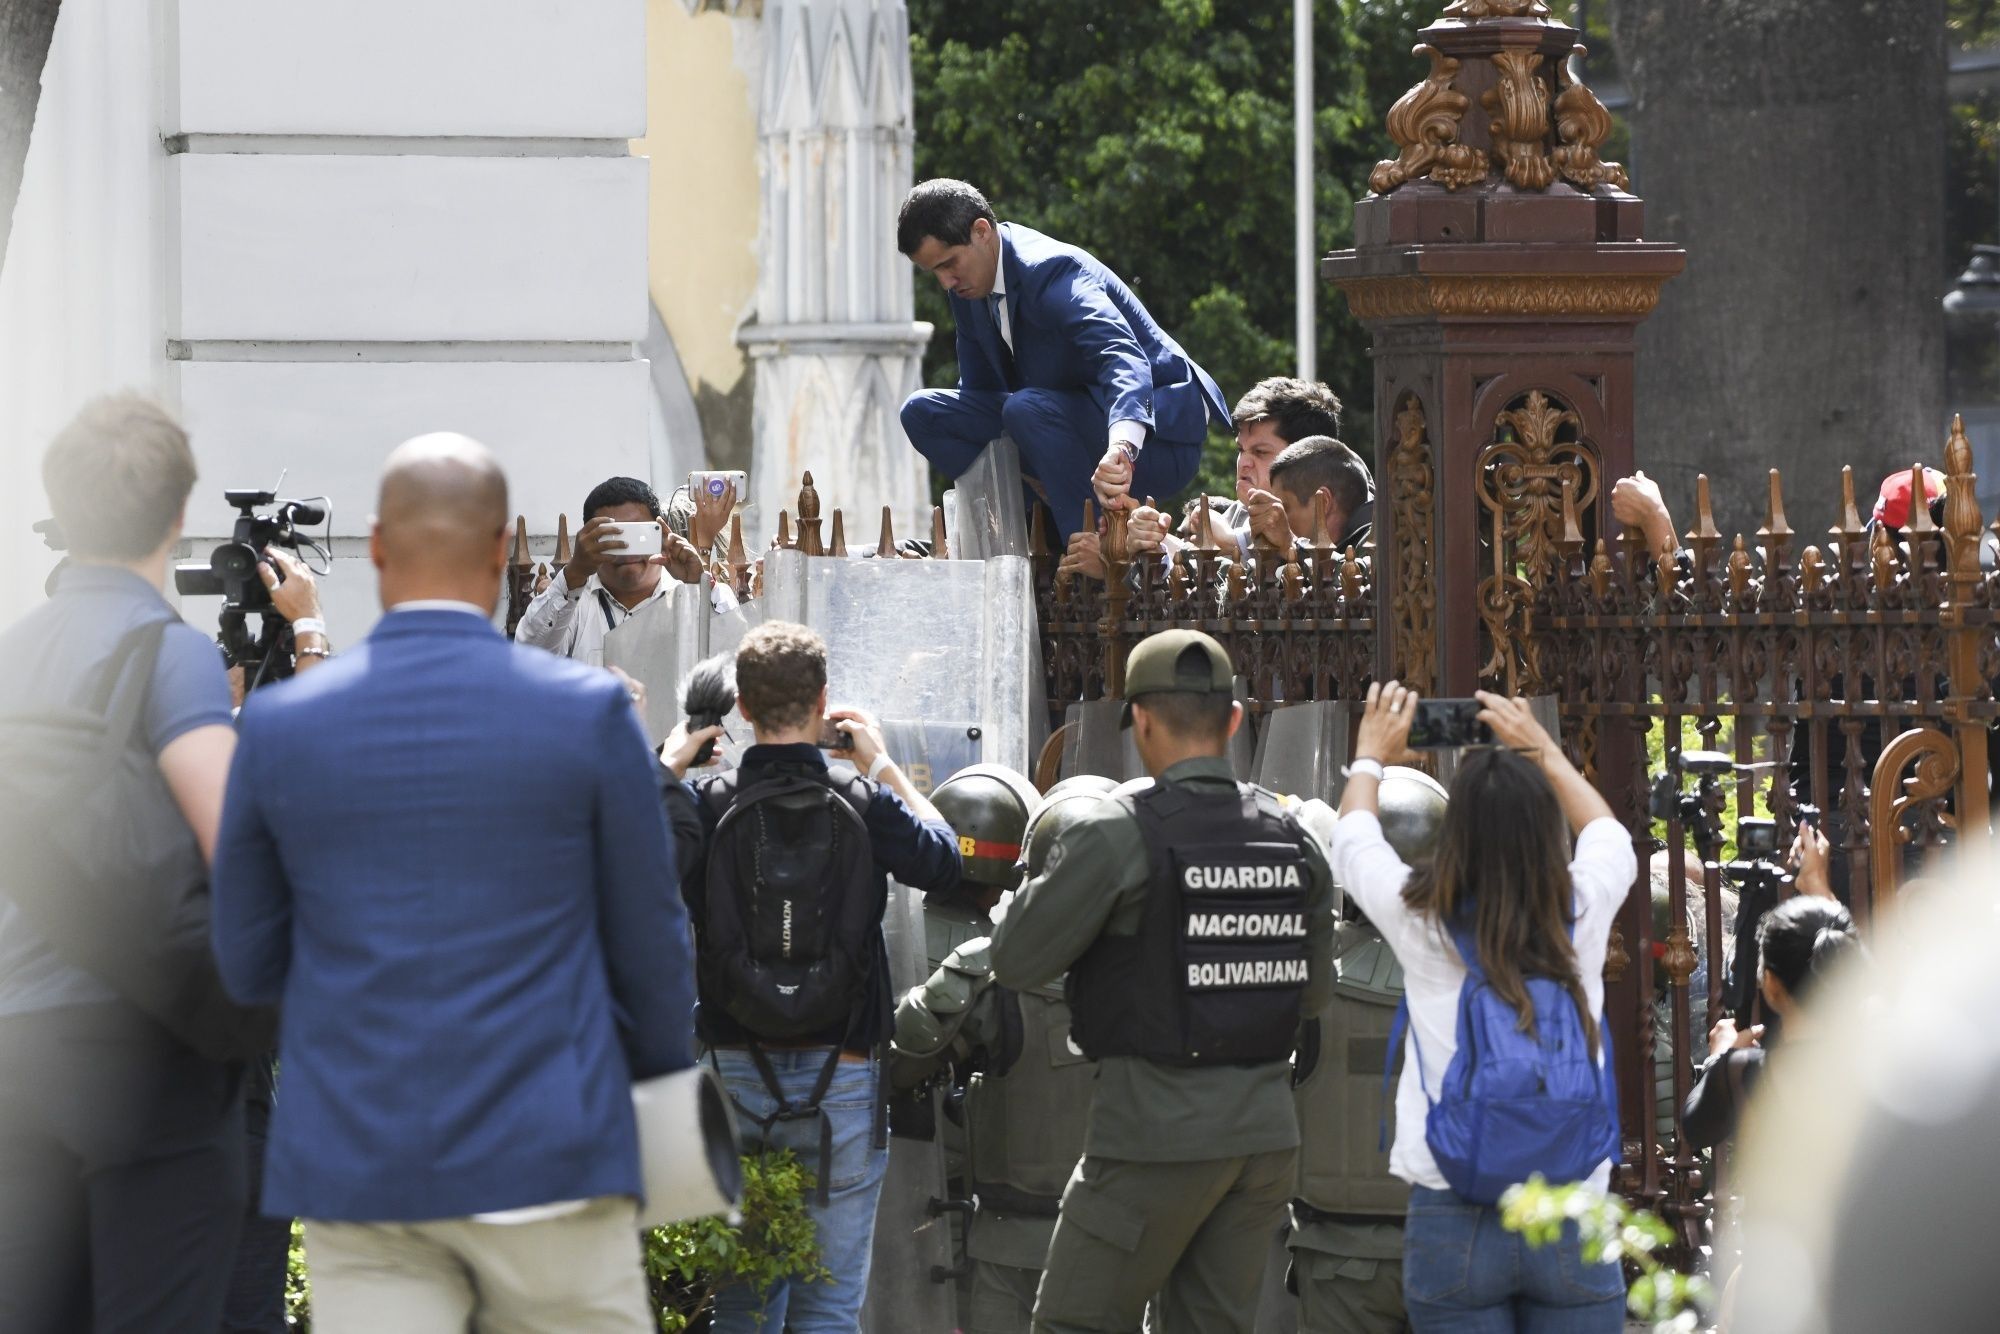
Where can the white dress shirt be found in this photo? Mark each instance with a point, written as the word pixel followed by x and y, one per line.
pixel 574 621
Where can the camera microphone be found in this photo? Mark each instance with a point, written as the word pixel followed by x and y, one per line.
pixel 305 514
pixel 710 694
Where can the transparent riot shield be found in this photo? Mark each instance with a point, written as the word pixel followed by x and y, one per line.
pixel 658 645
pixel 1303 749
pixel 1096 744
pixel 661 643
pixel 912 1280
pixel 941 643
pixel 987 507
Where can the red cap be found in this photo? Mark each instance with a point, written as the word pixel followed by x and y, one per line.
pixel 1892 506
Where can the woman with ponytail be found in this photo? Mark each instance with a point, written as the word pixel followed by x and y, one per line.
pixel 1798 943
pixel 1507 885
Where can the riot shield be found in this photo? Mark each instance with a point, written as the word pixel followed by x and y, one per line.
pixel 1303 749
pixel 1095 744
pixel 944 643
pixel 657 646
pixel 660 644
pixel 911 1280
pixel 988 506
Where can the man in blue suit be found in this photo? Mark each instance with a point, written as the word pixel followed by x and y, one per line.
pixel 445 856
pixel 1055 351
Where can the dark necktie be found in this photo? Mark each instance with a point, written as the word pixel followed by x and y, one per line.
pixel 993 304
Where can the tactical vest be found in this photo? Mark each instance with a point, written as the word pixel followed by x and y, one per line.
pixel 1337 1082
pixel 1026 1113
pixel 1214 973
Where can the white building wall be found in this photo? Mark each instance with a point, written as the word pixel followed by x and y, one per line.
pixel 362 221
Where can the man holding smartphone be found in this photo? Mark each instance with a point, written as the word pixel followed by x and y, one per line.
pixel 784 869
pixel 606 580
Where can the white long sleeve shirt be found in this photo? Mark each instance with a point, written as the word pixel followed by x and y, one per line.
pixel 573 622
pixel 1372 874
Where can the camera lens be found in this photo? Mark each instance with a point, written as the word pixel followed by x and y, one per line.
pixel 233 561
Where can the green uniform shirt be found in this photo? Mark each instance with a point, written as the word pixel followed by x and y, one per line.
pixel 1095 880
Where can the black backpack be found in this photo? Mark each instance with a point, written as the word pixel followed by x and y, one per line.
pixel 791 925
pixel 103 865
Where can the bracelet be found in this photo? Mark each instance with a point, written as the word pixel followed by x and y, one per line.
pixel 309 625
pixel 312 653
pixel 878 764
pixel 1364 764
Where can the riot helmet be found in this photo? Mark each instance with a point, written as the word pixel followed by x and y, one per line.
pixel 1065 802
pixel 1411 805
pixel 988 806
pixel 1097 783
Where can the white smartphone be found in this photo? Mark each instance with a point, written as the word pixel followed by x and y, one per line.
pixel 715 483
pixel 640 539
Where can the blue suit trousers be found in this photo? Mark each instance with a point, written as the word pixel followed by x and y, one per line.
pixel 1061 434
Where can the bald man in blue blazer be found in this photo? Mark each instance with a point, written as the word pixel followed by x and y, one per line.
pixel 1056 352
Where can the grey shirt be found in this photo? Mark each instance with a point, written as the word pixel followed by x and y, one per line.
pixel 54 657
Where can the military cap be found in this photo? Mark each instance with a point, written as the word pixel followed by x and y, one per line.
pixel 1178 661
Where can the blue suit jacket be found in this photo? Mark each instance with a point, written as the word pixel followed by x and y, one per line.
pixel 447 857
pixel 1077 326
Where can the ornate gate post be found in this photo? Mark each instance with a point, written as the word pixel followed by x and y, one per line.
pixel 1500 268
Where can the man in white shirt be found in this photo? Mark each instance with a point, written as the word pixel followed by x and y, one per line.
pixel 599 588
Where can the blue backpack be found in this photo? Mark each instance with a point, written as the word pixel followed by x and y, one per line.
pixel 1514 1103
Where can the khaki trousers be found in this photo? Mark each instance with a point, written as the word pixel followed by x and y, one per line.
pixel 577 1274
pixel 1197 1234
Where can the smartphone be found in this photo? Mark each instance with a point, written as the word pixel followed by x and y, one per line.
pixel 713 484
pixel 640 539
pixel 1442 724
pixel 832 738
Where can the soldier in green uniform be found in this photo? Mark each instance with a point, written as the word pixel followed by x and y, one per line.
pixel 988 806
pixel 1347 1221
pixel 1195 920
pixel 1027 1094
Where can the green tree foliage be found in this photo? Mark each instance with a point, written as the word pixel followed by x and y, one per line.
pixel 1666 1301
pixel 1157 134
pixel 688 1263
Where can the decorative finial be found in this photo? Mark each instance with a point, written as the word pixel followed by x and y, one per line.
pixel 1704 530
pixel 1774 510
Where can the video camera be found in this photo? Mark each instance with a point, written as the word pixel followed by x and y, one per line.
pixel 231 574
pixel 1755 871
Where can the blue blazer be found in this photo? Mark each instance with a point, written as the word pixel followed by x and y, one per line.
pixel 1077 326
pixel 447 857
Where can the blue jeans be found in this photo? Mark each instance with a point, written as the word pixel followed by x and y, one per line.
pixel 845 1226
pixel 1061 433
pixel 1465 1274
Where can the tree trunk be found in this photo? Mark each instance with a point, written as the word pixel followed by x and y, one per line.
pixel 1797 150
pixel 25 29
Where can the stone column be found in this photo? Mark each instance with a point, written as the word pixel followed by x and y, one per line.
pixel 836 347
